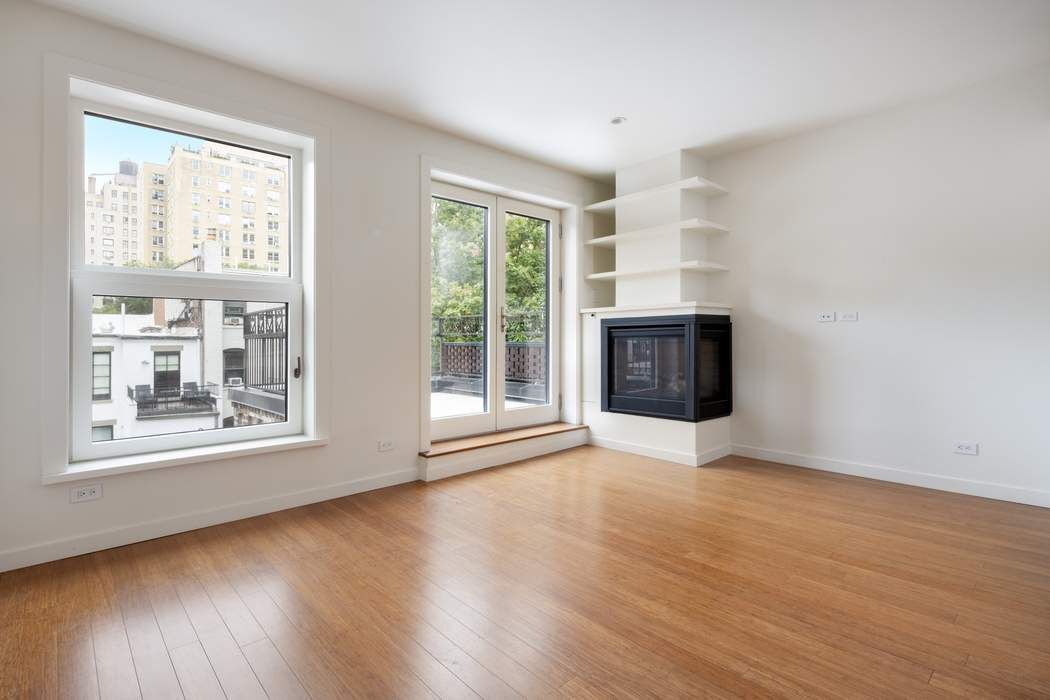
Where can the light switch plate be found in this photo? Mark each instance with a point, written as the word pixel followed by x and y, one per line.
pixel 849 316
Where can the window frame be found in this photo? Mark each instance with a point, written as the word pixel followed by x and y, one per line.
pixel 63 265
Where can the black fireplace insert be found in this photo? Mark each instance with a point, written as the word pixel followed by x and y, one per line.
pixel 677 367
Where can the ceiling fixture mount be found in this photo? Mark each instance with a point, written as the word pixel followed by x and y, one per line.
pixel 618 120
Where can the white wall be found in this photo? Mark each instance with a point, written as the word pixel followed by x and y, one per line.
pixel 374 250
pixel 933 221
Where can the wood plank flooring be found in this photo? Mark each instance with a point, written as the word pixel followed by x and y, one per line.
pixel 587 573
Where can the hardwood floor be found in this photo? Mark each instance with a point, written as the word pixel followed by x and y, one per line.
pixel 587 573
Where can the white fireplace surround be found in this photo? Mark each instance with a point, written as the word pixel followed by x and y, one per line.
pixel 654 253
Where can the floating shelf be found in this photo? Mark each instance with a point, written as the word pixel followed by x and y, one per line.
pixel 695 183
pixel 697 225
pixel 685 266
pixel 658 307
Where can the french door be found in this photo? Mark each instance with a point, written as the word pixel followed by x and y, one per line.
pixel 494 312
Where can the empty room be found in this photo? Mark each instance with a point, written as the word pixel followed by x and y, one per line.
pixel 583 349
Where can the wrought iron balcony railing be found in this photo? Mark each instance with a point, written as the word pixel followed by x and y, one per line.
pixel 191 398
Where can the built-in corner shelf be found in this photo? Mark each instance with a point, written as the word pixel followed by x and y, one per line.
pixel 695 225
pixel 685 266
pixel 688 305
pixel 695 184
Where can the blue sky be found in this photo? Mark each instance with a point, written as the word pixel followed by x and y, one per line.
pixel 107 142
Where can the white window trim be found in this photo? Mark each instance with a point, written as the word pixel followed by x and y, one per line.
pixel 66 80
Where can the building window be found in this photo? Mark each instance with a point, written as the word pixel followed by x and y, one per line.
pixel 158 241
pixel 223 219
pixel 195 199
pixel 248 238
pixel 195 164
pixel 233 364
pixel 107 241
pixel 248 175
pixel 248 192
pixel 100 376
pixel 273 256
pixel 248 254
pixel 158 256
pixel 224 234
pixel 248 224
pixel 273 241
pixel 223 186
pixel 166 372
pixel 223 202
pixel 248 208
pixel 158 179
pixel 225 171
pixel 273 180
pixel 101 433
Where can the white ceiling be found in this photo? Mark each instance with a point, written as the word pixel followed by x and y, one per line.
pixel 543 77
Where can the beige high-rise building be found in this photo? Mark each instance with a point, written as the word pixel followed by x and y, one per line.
pixel 161 214
pixel 113 217
pixel 232 195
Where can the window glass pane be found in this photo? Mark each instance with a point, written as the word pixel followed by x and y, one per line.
pixel 177 176
pixel 459 338
pixel 180 365
pixel 101 433
pixel 527 284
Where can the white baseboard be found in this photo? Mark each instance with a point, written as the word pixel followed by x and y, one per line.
pixel 116 537
pixel 686 458
pixel 985 489
pixel 434 468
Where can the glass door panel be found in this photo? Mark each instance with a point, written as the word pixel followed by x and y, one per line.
pixel 526 365
pixel 493 328
pixel 460 347
pixel 525 311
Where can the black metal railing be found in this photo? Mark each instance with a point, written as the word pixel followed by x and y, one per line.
pixel 457 346
pixel 266 350
pixel 191 398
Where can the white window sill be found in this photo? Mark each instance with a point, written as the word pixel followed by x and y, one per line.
pixel 78 471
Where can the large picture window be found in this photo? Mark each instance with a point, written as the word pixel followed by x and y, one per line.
pixel 203 340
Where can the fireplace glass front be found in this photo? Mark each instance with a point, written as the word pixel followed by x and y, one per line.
pixel 676 367
pixel 650 366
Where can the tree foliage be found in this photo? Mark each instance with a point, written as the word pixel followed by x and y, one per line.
pixel 458 242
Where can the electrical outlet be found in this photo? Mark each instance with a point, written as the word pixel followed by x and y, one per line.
pixel 826 317
pixel 384 445
pixel 88 492
pixel 967 448
pixel 848 316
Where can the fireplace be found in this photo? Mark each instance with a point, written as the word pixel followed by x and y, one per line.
pixel 677 367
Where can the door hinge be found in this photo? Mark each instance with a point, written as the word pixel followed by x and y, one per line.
pixel 560 284
pixel 561 230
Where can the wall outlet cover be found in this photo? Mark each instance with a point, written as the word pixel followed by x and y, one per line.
pixel 849 316
pixel 384 445
pixel 826 317
pixel 87 492
pixel 967 448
